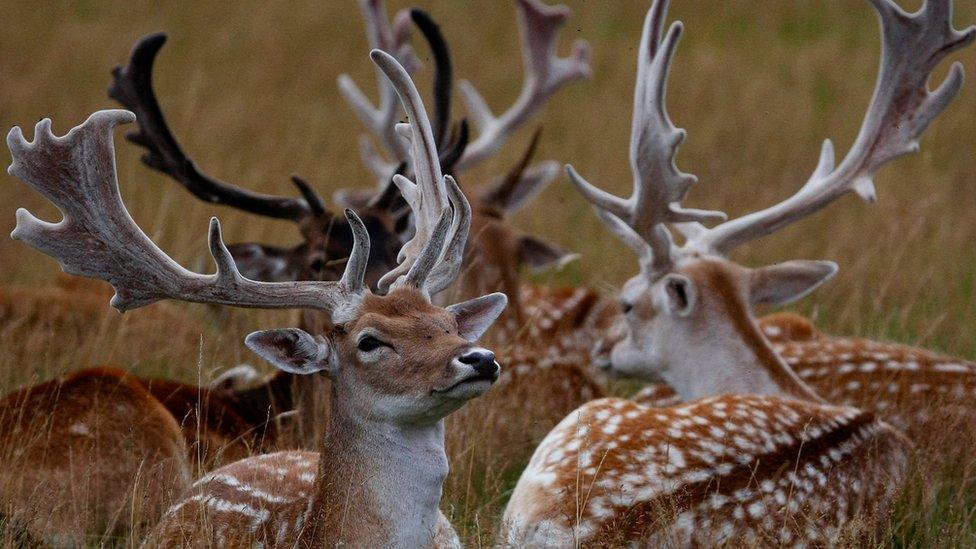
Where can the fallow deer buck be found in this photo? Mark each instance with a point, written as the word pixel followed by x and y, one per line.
pixel 241 409
pixel 918 391
pixel 86 457
pixel 398 364
pixel 773 463
pixel 914 389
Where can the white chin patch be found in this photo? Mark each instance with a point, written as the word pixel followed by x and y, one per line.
pixel 467 390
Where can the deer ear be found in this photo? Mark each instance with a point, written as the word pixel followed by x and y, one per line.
pixel 292 350
pixel 676 295
pixel 786 282
pixel 475 316
pixel 541 255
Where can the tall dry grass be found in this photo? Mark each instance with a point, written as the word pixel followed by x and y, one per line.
pixel 250 89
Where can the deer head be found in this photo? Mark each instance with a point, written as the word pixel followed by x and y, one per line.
pixel 688 312
pixel 416 360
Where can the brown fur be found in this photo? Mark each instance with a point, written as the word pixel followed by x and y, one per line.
pixel 211 421
pixel 88 455
pixel 920 391
pixel 544 377
pixel 787 326
pixel 916 390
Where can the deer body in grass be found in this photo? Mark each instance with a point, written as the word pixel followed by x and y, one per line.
pixel 398 364
pixel 770 462
pixel 87 457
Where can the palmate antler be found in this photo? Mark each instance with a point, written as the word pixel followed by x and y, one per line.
pixel 98 238
pixel 659 186
pixel 901 109
pixel 545 74
pixel 380 120
pixel 450 143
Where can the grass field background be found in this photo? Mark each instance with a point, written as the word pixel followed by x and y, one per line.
pixel 250 89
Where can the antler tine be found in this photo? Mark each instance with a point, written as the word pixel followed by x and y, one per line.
pixel 374 161
pixel 381 119
pixel 449 264
pixel 132 87
pixel 901 109
pixel 659 186
pixel 545 74
pixel 315 202
pixel 435 224
pixel 98 238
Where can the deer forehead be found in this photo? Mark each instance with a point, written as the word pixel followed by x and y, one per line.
pixel 405 312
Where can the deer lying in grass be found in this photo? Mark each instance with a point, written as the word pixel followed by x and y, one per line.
pixel 218 426
pixel 74 314
pixel 398 364
pixel 778 466
pixel 87 456
pixel 914 389
pixel 239 411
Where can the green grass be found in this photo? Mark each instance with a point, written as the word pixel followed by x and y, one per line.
pixel 250 89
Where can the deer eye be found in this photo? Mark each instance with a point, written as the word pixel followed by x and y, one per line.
pixel 369 343
pixel 626 306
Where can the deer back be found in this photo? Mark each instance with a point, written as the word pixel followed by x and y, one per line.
pixel 731 469
pixel 88 455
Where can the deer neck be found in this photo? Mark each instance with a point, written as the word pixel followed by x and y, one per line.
pixel 379 484
pixel 730 354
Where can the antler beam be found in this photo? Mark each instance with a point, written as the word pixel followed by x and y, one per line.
pixel 132 87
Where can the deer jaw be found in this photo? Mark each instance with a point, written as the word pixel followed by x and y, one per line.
pixel 694 329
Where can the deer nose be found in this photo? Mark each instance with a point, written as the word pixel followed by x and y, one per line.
pixel 483 362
